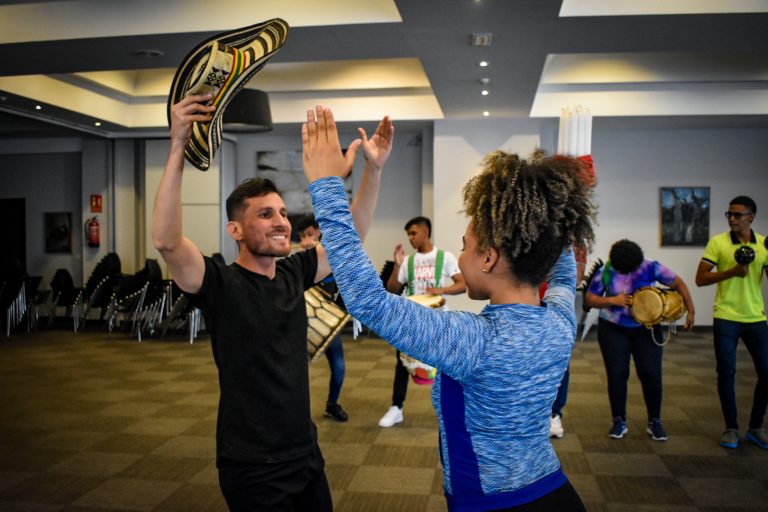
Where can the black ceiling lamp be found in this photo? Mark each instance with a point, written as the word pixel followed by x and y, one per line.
pixel 248 112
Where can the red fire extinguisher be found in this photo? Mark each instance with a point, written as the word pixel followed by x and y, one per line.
pixel 92 232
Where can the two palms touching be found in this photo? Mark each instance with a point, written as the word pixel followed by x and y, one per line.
pixel 322 152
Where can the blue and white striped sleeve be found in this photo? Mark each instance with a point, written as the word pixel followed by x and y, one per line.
pixel 451 341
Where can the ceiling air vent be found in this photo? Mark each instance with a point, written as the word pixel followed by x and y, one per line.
pixel 481 39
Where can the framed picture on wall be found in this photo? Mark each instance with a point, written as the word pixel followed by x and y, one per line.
pixel 684 216
pixel 58 231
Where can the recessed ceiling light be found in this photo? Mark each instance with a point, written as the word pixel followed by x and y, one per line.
pixel 38 107
pixel 483 63
pixel 147 53
pixel 486 113
pixel 484 92
pixel 97 123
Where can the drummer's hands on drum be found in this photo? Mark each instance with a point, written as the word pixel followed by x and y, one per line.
pixel 321 149
pixel 434 291
pixel 621 300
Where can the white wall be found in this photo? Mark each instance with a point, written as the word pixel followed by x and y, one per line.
pixel 96 171
pixel 459 148
pixel 201 220
pixel 127 207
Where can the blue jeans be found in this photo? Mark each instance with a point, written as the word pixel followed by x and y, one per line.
pixel 617 344
pixel 335 355
pixel 562 394
pixel 755 336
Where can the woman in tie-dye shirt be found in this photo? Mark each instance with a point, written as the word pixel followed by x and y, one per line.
pixel 620 336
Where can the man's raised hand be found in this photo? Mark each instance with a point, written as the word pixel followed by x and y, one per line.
pixel 377 149
pixel 187 111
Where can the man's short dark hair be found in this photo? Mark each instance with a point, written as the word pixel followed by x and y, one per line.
pixel 420 220
pixel 625 256
pixel 252 187
pixel 745 201
pixel 307 221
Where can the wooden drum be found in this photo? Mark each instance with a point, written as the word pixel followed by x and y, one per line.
pixel 422 373
pixel 324 321
pixel 652 306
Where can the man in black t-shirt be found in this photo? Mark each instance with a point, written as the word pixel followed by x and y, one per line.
pixel 266 443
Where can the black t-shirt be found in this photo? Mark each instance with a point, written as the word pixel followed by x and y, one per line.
pixel 258 332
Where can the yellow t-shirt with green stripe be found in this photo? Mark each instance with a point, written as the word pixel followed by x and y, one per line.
pixel 738 299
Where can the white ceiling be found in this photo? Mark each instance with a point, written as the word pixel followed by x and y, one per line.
pixel 411 59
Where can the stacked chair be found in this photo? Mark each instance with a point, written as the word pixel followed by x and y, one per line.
pixel 63 295
pixel 13 301
pixel 182 315
pixel 137 302
pixel 94 298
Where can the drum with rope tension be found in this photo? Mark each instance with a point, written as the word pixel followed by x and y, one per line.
pixel 652 306
pixel 421 373
pixel 324 321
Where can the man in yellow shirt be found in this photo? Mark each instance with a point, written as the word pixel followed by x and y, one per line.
pixel 739 312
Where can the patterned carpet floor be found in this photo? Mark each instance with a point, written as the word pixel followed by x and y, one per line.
pixel 97 421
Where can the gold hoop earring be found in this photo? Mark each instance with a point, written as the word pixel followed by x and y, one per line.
pixel 485 270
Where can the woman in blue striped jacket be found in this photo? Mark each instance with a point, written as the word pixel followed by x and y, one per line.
pixel 498 371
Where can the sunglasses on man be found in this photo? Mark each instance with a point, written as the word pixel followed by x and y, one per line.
pixel 736 215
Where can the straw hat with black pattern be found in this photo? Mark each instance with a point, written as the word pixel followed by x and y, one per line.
pixel 222 65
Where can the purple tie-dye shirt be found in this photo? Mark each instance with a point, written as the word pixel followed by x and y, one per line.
pixel 647 274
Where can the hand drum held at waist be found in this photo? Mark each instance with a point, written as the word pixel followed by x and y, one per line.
pixel 652 306
pixel 325 319
pixel 431 301
pixel 420 372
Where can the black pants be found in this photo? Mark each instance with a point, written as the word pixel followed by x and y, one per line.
pixel 293 486
pixel 617 344
pixel 562 499
pixel 400 386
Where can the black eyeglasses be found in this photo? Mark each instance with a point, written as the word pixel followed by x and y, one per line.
pixel 735 215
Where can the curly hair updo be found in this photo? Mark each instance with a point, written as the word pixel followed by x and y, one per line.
pixel 530 209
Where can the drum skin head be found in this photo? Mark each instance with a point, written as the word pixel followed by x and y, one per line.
pixel 648 306
pixel 431 301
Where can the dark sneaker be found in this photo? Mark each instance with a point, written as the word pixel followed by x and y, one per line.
pixel 618 429
pixel 730 438
pixel 336 412
pixel 656 430
pixel 758 437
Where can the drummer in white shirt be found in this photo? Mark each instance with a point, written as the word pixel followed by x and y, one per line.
pixel 430 271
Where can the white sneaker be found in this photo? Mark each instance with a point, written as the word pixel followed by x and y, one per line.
pixel 556 426
pixel 393 415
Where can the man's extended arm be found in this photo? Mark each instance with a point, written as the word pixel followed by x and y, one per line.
pixel 706 276
pixel 184 260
